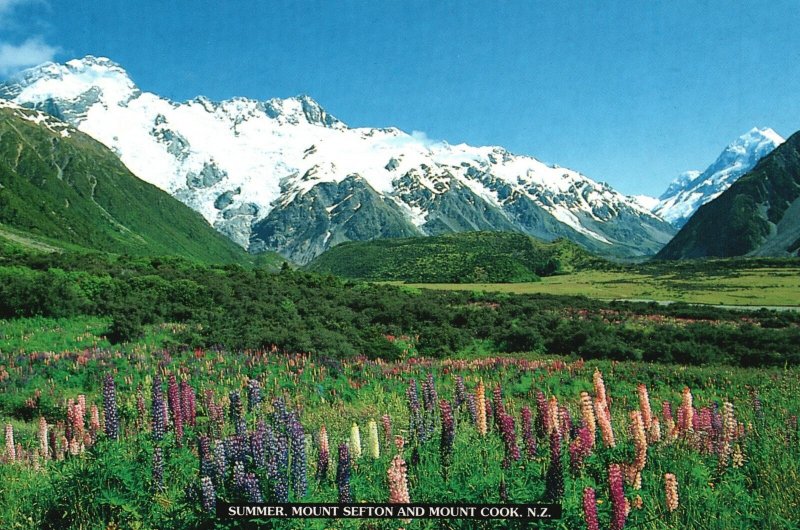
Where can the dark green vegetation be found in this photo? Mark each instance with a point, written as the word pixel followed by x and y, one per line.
pixel 60 185
pixel 467 257
pixel 305 312
pixel 758 215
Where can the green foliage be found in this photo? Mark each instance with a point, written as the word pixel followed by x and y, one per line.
pixel 466 257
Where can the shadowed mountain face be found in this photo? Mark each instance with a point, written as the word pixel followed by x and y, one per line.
pixel 285 175
pixel 759 215
pixel 59 183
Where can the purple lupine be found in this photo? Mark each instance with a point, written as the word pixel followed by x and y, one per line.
pixel 257 440
pixel 415 423
pixel 238 476
pixel 343 475
pixel 280 414
pixel 509 435
pixel 299 469
pixel 236 413
pixel 110 407
pixel 618 505
pixel 527 433
pixel 220 463
pixel 253 394
pixel 277 468
pixel 252 488
pixel 554 481
pixel 580 448
pixel 429 395
pixel 448 435
pixel 237 447
pixel 460 394
pixel 188 405
pixel 472 408
pixel 158 469
pixel 590 509
pixel 498 406
pixel 204 454
pixel 209 496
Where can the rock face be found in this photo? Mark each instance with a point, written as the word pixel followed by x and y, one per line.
pixel 285 175
pixel 759 215
pixel 693 189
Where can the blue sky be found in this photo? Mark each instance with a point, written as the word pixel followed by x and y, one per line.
pixel 631 93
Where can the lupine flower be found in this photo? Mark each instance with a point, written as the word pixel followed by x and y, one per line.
pixel 94 423
pixel 686 412
pixel 671 491
pixel 644 406
pixel 373 444
pixel 238 476
pixel 324 454
pixel 159 420
pixel 738 456
pixel 497 405
pixel 654 434
pixel 604 421
pixel 639 440
pixel 600 391
pixel 554 481
pixel 257 441
pixel 429 395
pixel 236 413
pixel 204 455
pixel 527 433
pixel 220 463
pixel 588 417
pixel 398 481
pixel 509 436
pixel 386 420
pixel 43 449
pixel 209 496
pixel 542 425
pixel 579 449
pixel 480 405
pixel 343 475
pixel 472 408
pixel 461 392
pixel 174 402
pixel 110 407
pixel 141 411
pixel 11 449
pixel 355 441
pixel 669 421
pixel 299 458
pixel 552 415
pixel 158 469
pixel 399 443
pixel 252 489
pixel 590 509
pixel 277 468
pixel 253 394
pixel 188 405
pixel 448 434
pixel 564 421
pixel 618 501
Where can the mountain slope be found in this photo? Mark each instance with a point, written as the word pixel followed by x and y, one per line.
pixel 59 183
pixel 285 175
pixel 692 189
pixel 758 215
pixel 466 257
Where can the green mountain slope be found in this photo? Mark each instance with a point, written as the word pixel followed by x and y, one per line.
pixel 464 257
pixel 759 215
pixel 59 184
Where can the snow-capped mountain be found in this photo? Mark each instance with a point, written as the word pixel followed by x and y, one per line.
pixel 692 189
pixel 285 175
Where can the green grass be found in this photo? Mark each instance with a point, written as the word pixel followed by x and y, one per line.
pixel 776 287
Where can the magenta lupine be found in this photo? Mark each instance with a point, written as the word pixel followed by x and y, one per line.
pixel 448 435
pixel 158 418
pixel 554 481
pixel 343 475
pixel 579 449
pixel 542 427
pixel 497 405
pixel 110 407
pixel 590 509
pixel 527 433
pixel 188 406
pixel 618 503
pixel 509 436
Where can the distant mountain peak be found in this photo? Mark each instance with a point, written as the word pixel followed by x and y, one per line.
pixel 693 189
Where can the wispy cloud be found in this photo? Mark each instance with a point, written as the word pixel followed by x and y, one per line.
pixel 32 50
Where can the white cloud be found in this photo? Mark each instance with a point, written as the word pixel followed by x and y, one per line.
pixel 30 53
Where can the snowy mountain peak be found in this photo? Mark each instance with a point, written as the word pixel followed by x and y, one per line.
pixel 285 175
pixel 693 189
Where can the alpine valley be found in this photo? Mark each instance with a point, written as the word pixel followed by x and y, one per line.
pixel 285 175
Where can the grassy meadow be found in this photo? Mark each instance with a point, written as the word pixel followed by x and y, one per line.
pixel 764 286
